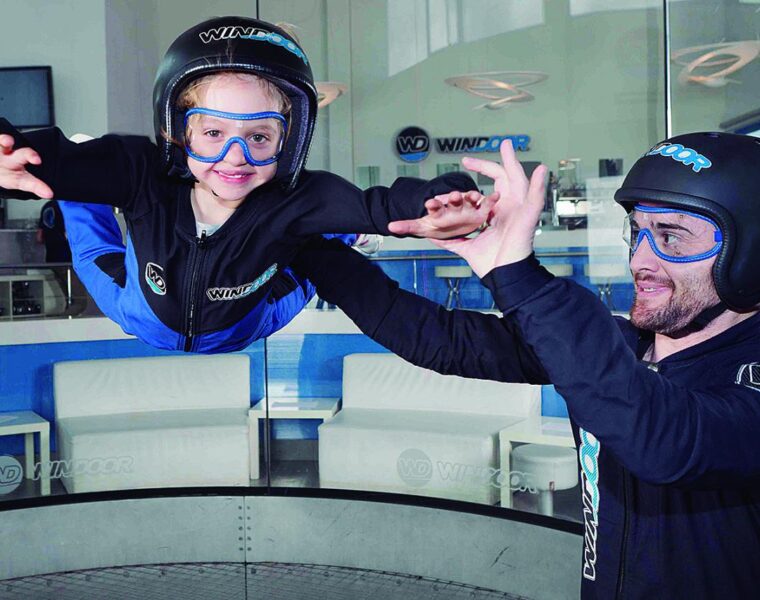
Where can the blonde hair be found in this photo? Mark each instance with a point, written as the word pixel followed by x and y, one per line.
pixel 192 96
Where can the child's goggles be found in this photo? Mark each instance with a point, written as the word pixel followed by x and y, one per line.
pixel 674 235
pixel 211 133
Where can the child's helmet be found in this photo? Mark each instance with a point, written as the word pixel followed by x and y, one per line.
pixel 716 175
pixel 236 44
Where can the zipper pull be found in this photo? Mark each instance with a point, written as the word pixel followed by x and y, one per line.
pixel 202 239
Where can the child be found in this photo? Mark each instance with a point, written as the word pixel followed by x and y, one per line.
pixel 216 212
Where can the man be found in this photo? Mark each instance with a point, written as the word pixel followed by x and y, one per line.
pixel 665 407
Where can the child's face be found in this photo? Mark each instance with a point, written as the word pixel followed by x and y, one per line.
pixel 232 178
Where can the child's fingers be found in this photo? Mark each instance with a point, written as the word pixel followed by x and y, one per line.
pixel 6 143
pixel 41 189
pixel 29 183
pixel 16 160
pixel 473 197
pixel 434 204
pixel 456 200
pixel 27 156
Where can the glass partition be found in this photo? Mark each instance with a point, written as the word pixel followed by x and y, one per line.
pixel 427 82
pixel 408 88
pixel 714 72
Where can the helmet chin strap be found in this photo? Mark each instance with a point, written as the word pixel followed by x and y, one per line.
pixel 706 317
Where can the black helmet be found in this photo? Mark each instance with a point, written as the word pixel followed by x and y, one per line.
pixel 716 175
pixel 236 44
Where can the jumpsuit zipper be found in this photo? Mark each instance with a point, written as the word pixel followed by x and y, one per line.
pixel 626 504
pixel 653 366
pixel 196 261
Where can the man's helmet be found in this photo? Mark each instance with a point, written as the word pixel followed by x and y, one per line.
pixel 244 45
pixel 716 175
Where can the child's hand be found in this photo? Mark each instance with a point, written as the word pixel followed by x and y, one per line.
pixel 13 173
pixel 449 215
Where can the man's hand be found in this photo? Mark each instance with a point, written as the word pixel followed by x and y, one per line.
pixel 13 173
pixel 449 215
pixel 509 237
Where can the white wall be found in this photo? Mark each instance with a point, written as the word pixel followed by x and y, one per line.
pixel 132 57
pixel 68 35
pixel 603 98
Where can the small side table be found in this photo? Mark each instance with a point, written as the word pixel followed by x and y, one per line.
pixel 28 422
pixel 550 431
pixel 454 276
pixel 285 408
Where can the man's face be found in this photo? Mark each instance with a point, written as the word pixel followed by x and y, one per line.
pixel 668 294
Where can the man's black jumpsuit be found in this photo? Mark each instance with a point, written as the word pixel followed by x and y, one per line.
pixel 669 453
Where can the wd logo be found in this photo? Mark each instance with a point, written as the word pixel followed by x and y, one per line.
pixel 154 277
pixel 11 474
pixel 413 144
pixel 414 467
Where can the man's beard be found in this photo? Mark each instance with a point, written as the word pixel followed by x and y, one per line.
pixel 694 294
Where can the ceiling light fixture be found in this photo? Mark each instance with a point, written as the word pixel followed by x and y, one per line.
pixel 328 91
pixel 734 55
pixel 500 87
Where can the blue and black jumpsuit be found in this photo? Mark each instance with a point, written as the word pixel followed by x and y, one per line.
pixel 217 293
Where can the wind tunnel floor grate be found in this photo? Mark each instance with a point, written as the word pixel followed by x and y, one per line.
pixel 232 581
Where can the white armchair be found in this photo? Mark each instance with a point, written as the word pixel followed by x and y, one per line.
pixel 409 430
pixel 164 421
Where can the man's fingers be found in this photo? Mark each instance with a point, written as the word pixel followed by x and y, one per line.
pixel 433 205
pixel 455 200
pixel 452 245
pixel 512 166
pixel 484 167
pixel 489 201
pixel 537 186
pixel 411 227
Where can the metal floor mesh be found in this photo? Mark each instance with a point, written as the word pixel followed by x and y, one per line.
pixel 232 581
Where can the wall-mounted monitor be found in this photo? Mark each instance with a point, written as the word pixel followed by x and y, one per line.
pixel 26 96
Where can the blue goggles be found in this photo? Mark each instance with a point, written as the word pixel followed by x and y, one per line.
pixel 674 235
pixel 211 141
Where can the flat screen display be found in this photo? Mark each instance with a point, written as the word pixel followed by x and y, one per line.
pixel 26 96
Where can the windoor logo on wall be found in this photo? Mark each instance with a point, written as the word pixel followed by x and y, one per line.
pixel 413 144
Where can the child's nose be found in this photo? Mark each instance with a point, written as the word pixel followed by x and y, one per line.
pixel 235 155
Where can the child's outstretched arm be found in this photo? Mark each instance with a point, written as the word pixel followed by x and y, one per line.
pixel 450 215
pixel 332 204
pixel 45 164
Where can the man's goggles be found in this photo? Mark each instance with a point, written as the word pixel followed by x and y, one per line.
pixel 674 235
pixel 211 134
